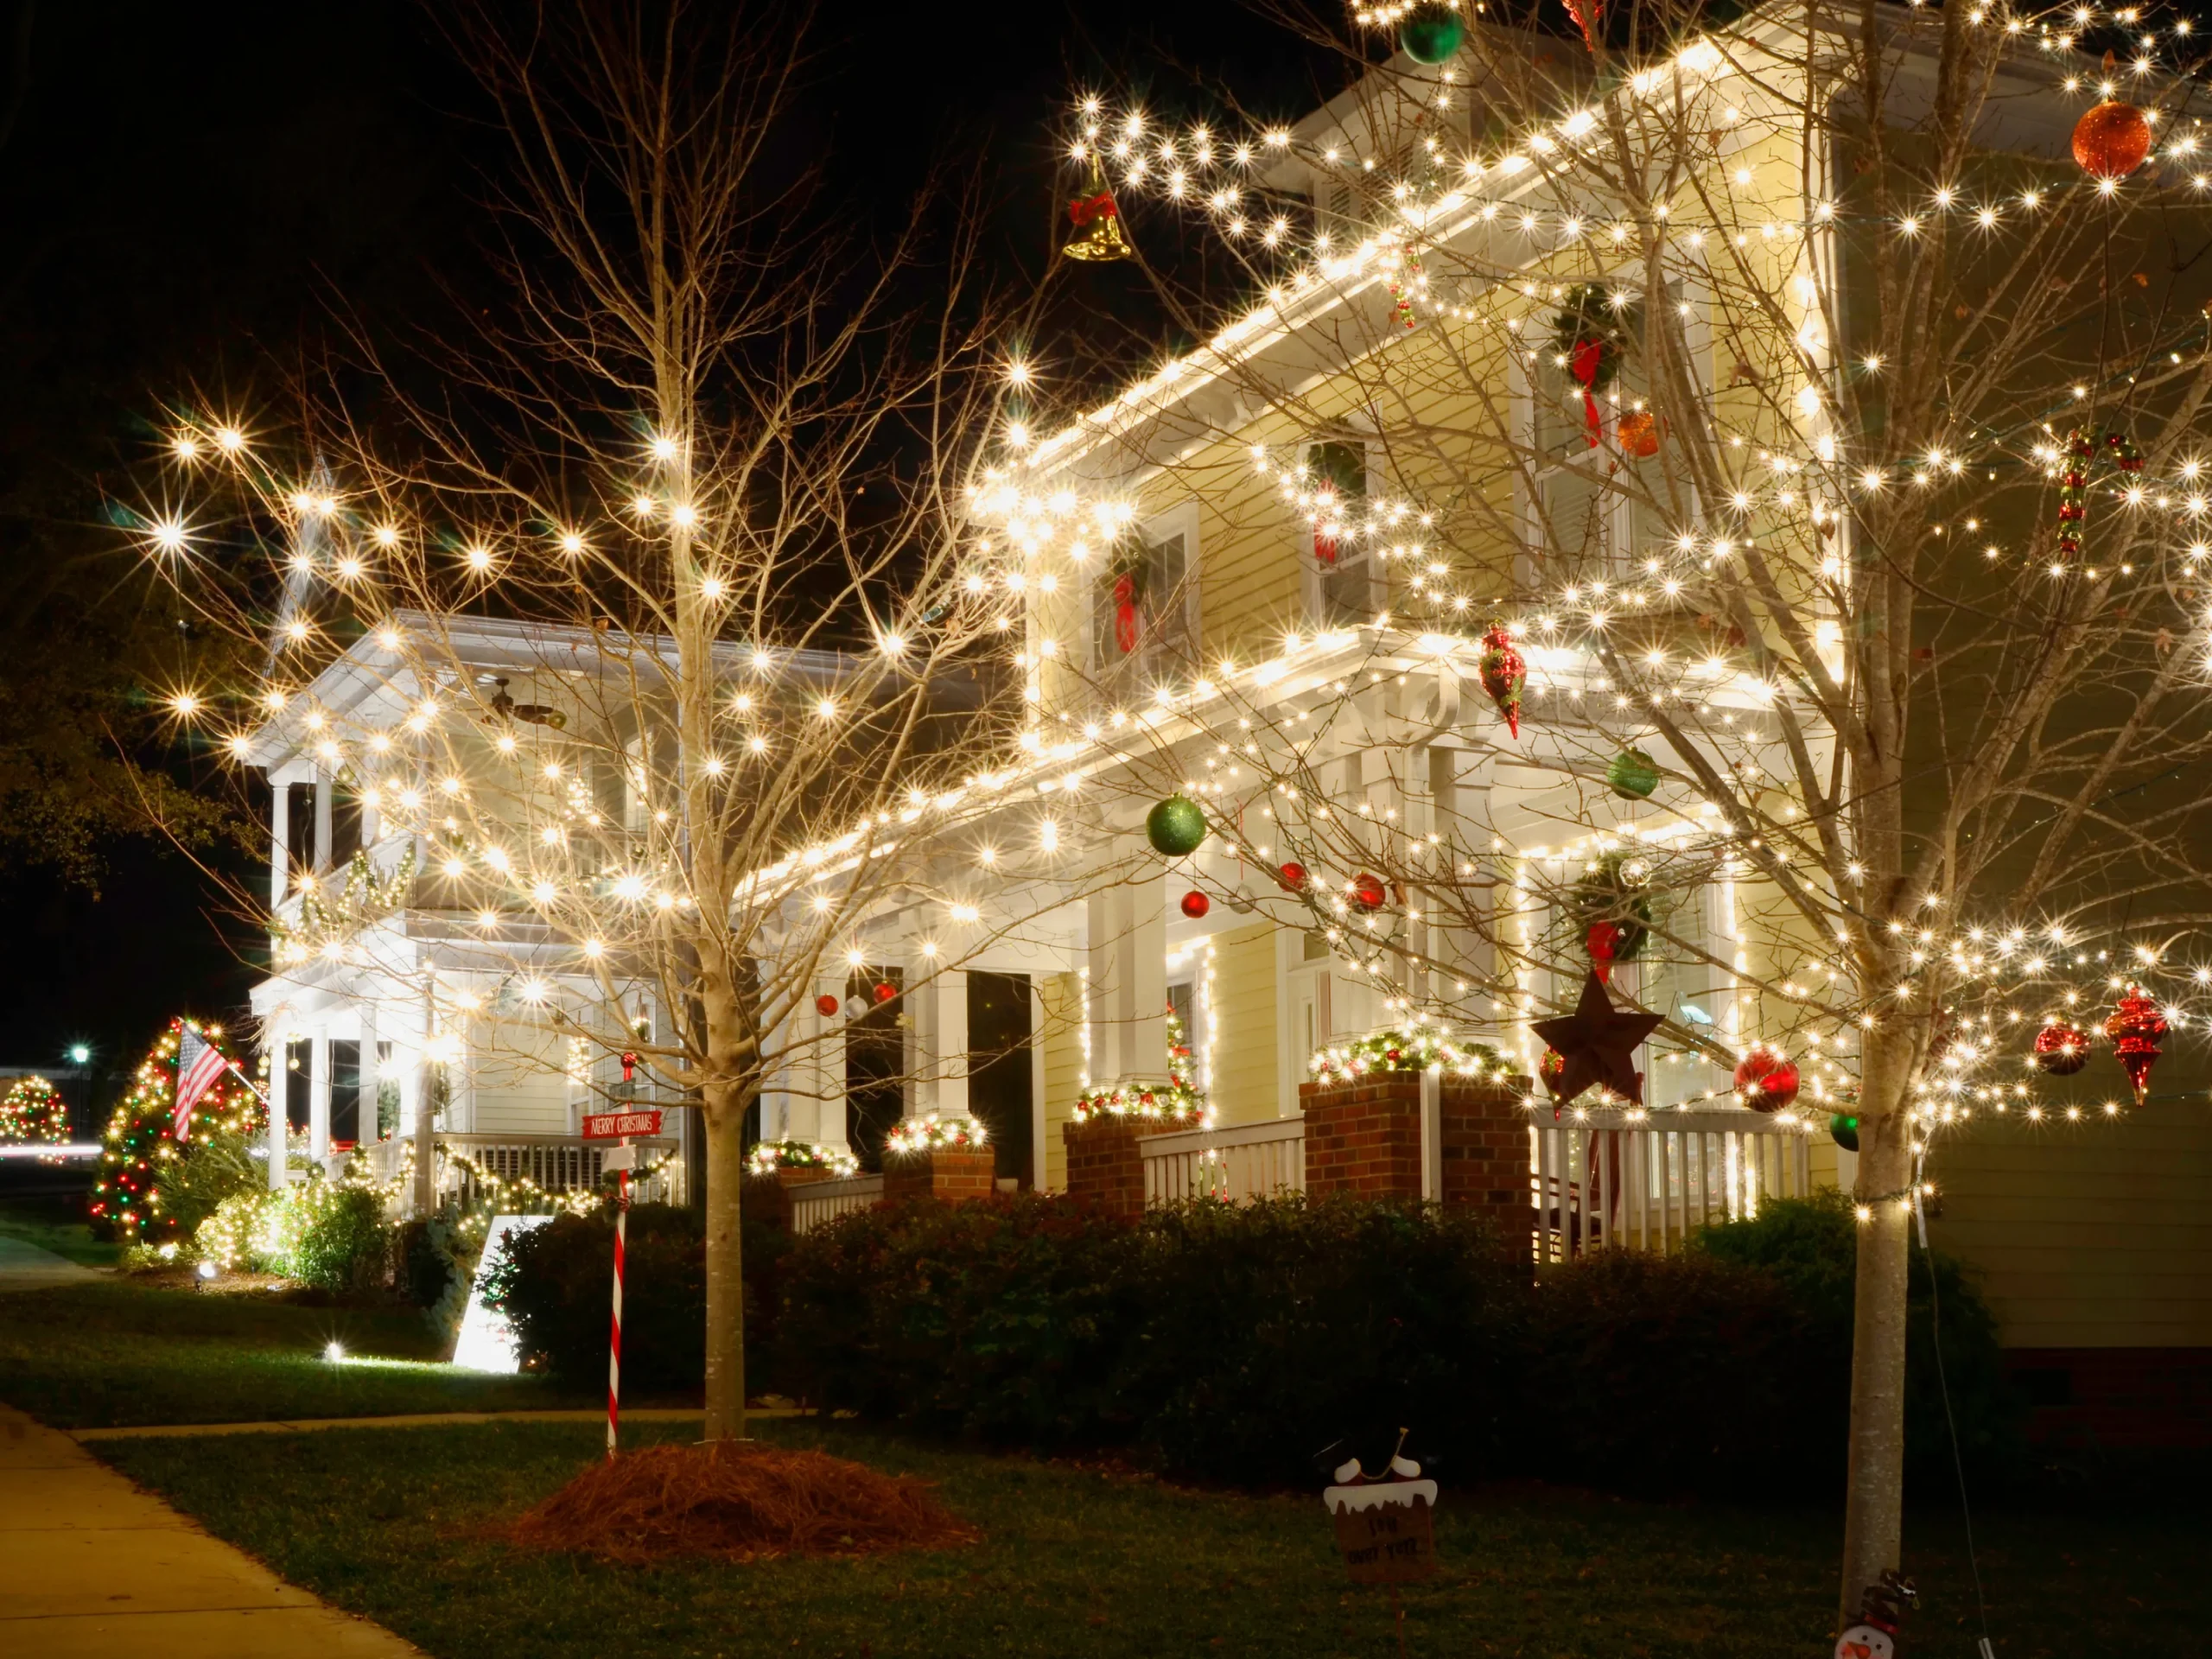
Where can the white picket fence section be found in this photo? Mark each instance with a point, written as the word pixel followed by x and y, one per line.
pixel 1237 1164
pixel 1603 1181
pixel 817 1202
pixel 554 1163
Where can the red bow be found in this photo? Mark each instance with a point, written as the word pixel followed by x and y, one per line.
pixel 1083 209
pixel 1125 613
pixel 1588 355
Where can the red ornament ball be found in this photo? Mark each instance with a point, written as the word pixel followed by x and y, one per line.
pixel 1638 432
pixel 1367 890
pixel 1767 1080
pixel 1196 904
pixel 2112 140
pixel 2061 1050
pixel 885 991
pixel 1293 877
pixel 825 1005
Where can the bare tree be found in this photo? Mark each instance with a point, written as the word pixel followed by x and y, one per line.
pixel 1728 404
pixel 704 474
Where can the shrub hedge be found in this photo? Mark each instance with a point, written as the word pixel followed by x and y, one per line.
pixel 1259 1345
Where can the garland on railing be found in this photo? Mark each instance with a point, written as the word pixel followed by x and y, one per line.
pixel 772 1155
pixel 364 897
pixel 935 1133
pixel 1393 1050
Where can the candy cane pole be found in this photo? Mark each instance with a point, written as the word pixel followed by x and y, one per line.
pixel 614 1328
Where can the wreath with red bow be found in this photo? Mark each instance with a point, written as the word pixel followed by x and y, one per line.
pixel 1590 333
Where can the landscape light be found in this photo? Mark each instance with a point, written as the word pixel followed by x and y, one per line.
pixel 335 1351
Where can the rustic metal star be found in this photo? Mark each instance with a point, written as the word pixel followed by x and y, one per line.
pixel 1598 1045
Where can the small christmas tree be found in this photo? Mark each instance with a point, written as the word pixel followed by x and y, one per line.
pixel 33 1113
pixel 142 1141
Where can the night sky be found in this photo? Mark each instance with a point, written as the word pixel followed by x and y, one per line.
pixel 189 195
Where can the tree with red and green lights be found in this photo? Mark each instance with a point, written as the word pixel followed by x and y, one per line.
pixel 141 1141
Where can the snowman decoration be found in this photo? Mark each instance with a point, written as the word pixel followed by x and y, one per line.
pixel 1881 1610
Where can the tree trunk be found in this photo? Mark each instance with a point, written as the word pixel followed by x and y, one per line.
pixel 725 1132
pixel 1874 1495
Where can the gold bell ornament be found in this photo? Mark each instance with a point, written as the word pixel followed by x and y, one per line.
pixel 1098 223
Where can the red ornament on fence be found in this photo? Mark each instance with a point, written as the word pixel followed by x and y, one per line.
pixel 2061 1050
pixel 1196 904
pixel 2135 1028
pixel 1767 1079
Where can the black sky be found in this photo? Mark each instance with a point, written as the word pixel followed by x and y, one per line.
pixel 186 191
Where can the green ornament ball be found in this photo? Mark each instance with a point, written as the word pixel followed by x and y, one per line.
pixel 1175 827
pixel 1843 1129
pixel 1632 774
pixel 1432 34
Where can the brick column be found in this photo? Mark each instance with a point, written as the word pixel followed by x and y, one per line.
pixel 1105 1167
pixel 1364 1137
pixel 952 1174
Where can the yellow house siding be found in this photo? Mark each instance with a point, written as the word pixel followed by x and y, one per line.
pixel 1062 995
pixel 1244 1047
pixel 2096 1235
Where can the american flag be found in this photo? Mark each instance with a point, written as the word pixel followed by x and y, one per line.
pixel 199 1063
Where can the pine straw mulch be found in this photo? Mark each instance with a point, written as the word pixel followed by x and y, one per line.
pixel 740 1501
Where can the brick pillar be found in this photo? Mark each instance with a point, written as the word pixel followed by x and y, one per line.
pixel 952 1174
pixel 1364 1137
pixel 1105 1167
pixel 1485 1136
pixel 771 1195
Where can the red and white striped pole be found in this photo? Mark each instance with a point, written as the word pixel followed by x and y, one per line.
pixel 614 1330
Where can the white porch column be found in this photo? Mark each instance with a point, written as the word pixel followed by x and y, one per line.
pixel 323 789
pixel 425 1088
pixel 280 1097
pixel 1127 958
pixel 319 1095
pixel 940 1009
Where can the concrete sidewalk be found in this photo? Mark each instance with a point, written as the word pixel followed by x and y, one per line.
pixel 26 1267
pixel 91 1565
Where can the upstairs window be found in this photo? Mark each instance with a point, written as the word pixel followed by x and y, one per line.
pixel 1142 629
pixel 1343 569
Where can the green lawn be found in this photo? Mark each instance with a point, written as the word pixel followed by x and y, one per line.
pixel 116 1352
pixel 56 1222
pixel 397 1523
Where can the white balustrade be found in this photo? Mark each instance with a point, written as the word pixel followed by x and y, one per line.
pixel 553 1163
pixel 1237 1164
pixel 1607 1180
pixel 817 1202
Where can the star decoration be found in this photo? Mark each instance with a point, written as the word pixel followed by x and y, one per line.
pixel 1596 1044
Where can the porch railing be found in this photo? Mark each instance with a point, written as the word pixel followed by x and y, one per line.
pixel 1607 1181
pixel 1237 1164
pixel 817 1202
pixel 468 1165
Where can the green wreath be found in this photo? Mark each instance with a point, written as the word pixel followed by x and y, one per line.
pixel 1589 318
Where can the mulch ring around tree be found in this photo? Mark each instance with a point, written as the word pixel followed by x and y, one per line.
pixel 740 1501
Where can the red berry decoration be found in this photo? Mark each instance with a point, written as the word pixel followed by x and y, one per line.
pixel 1767 1080
pixel 825 1005
pixel 2112 140
pixel 1293 877
pixel 2061 1050
pixel 1196 904
pixel 885 991
pixel 1367 890
pixel 2135 1028
pixel 1504 673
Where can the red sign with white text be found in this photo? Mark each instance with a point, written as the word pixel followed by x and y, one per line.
pixel 614 1126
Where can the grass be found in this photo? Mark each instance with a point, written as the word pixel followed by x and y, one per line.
pixel 56 1222
pixel 115 1353
pixel 400 1525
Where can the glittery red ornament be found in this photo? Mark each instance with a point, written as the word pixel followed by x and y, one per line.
pixel 1638 433
pixel 2135 1028
pixel 825 1005
pixel 1504 673
pixel 1196 904
pixel 1293 877
pixel 2112 140
pixel 1766 1079
pixel 2061 1050
pixel 1367 890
